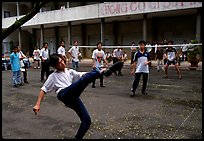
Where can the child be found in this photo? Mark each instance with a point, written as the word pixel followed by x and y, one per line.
pixel 143 60
pixel 15 66
pixel 171 56
pixel 69 85
pixel 99 60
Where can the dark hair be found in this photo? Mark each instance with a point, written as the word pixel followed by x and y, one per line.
pixel 170 42
pixel 75 41
pixel 99 43
pixel 54 59
pixel 142 42
pixel 61 42
pixel 44 44
pixel 14 47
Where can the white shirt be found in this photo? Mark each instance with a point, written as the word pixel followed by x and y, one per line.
pixel 184 47
pixel 61 50
pixel 141 59
pixel 60 80
pixel 75 53
pixel 99 57
pixel 36 54
pixel 21 54
pixel 117 53
pixel 44 53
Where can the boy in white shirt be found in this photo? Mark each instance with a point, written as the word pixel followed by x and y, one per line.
pixel 142 58
pixel 99 60
pixel 61 50
pixel 74 52
pixel 69 85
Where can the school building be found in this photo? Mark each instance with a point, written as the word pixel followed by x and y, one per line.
pixel 113 23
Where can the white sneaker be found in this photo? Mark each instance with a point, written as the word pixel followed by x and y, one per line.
pixel 38 67
pixel 34 67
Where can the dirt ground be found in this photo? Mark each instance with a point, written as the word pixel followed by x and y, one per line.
pixel 172 108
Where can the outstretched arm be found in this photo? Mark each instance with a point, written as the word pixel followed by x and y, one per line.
pixel 36 108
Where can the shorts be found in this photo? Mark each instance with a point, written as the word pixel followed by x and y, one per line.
pixel 168 62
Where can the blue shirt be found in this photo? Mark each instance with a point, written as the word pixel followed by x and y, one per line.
pixel 15 61
pixel 141 58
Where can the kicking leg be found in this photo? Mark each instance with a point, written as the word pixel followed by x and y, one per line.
pixel 83 114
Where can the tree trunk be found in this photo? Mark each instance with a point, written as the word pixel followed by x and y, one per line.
pixel 18 23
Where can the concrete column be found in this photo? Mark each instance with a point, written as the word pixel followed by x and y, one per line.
pixel 102 29
pixel 17 7
pixel 69 34
pixel 144 27
pixel 19 37
pixel 67 4
pixel 41 35
pixel 56 29
pixel 198 26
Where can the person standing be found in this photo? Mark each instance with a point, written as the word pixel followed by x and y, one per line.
pixel 44 56
pixel 99 58
pixel 171 56
pixel 74 53
pixel 24 67
pixel 36 56
pixel 15 67
pixel 61 50
pixel 159 58
pixel 142 58
pixel 133 50
pixel 184 50
pixel 118 56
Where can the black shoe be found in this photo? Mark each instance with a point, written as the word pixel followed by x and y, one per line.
pixel 144 92
pixel 132 94
pixel 20 84
pixel 102 86
pixel 115 67
pixel 26 82
pixel 93 86
pixel 15 86
pixel 165 76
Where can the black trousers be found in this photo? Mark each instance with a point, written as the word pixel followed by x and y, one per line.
pixel 120 68
pixel 25 75
pixel 137 79
pixel 45 69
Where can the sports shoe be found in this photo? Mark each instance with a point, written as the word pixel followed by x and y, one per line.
pixel 144 92
pixel 132 94
pixel 93 86
pixel 15 86
pixel 20 84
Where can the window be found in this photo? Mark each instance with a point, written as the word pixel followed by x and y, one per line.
pixel 6 14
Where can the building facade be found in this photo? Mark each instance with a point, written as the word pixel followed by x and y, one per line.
pixel 113 23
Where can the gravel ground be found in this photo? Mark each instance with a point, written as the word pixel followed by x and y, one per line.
pixel 172 108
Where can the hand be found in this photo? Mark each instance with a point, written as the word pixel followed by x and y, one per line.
pixel 132 72
pixel 146 63
pixel 36 109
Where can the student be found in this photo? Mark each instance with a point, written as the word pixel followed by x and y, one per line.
pixel 61 50
pixel 69 85
pixel 171 59
pixel 44 55
pixel 74 52
pixel 36 56
pixel 99 59
pixel 24 67
pixel 118 56
pixel 159 58
pixel 142 58
pixel 15 67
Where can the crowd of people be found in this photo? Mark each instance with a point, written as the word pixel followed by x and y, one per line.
pixel 70 83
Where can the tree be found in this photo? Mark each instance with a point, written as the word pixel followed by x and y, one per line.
pixel 37 6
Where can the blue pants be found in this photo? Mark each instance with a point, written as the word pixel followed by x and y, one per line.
pixel 75 65
pixel 16 77
pixel 70 97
